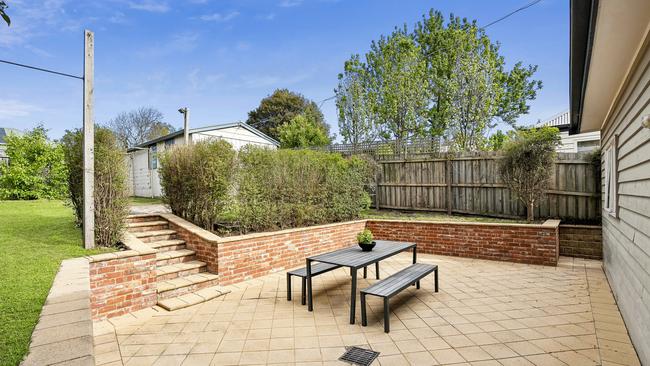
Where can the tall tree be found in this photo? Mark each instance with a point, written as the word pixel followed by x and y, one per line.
pixel 280 108
pixel 355 109
pixel 3 12
pixel 139 125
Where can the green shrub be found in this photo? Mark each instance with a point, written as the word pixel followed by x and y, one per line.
pixel 528 163
pixel 365 237
pixel 197 180
pixel 280 189
pixel 111 190
pixel 36 169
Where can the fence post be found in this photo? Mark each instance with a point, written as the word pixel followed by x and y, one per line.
pixel 448 181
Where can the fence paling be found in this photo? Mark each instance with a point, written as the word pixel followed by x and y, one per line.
pixel 471 185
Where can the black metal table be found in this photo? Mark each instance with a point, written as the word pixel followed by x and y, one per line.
pixel 355 259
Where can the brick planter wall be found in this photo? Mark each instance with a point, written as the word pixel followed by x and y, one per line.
pixel 122 282
pixel 250 256
pixel 582 241
pixel 521 243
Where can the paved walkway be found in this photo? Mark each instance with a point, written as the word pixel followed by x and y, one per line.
pixel 149 209
pixel 486 313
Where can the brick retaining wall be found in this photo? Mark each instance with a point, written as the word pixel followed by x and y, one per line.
pixel 122 282
pixel 582 241
pixel 521 243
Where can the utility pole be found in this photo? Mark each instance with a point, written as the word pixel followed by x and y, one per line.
pixel 186 124
pixel 89 142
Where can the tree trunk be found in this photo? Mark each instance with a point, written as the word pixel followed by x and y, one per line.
pixel 530 211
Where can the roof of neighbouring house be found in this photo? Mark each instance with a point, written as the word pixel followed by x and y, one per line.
pixel 4 131
pixel 207 128
pixel 560 120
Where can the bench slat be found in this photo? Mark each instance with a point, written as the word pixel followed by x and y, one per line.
pixel 400 280
pixel 316 269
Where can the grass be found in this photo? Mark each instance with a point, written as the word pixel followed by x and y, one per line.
pixel 144 201
pixel 433 216
pixel 35 236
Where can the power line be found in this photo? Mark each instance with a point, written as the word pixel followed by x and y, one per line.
pixel 513 12
pixel 41 69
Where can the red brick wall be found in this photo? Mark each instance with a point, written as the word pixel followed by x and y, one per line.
pixel 581 241
pixel 533 244
pixel 250 256
pixel 204 247
pixel 121 285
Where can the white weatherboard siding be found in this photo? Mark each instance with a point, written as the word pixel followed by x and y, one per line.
pixel 582 142
pixel 237 136
pixel 626 238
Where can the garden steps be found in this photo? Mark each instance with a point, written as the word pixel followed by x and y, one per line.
pixel 182 280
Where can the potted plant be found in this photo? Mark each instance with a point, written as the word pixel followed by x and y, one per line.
pixel 365 240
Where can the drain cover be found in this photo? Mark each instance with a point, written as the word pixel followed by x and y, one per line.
pixel 359 356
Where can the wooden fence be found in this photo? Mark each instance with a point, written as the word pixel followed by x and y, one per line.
pixel 470 184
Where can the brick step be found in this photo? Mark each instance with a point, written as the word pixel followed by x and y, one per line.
pixel 156 225
pixel 157 235
pixel 142 218
pixel 192 298
pixel 168 245
pixel 185 285
pixel 174 256
pixel 173 271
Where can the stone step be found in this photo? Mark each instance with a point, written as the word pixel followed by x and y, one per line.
pixel 185 285
pixel 173 271
pixel 156 225
pixel 192 298
pixel 142 218
pixel 168 257
pixel 168 245
pixel 157 235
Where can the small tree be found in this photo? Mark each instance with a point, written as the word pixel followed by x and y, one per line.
pixel 139 125
pixel 36 168
pixel 111 192
pixel 528 163
pixel 302 131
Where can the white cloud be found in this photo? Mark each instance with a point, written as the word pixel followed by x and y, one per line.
pixel 11 109
pixel 181 42
pixel 29 20
pixel 199 80
pixel 290 3
pixel 219 17
pixel 150 6
pixel 269 16
pixel 117 18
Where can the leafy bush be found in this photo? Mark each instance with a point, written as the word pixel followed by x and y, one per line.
pixel 365 237
pixel 528 162
pixel 302 131
pixel 111 190
pixel 197 180
pixel 36 169
pixel 280 189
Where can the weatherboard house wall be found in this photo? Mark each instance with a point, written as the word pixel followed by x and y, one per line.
pixel 143 162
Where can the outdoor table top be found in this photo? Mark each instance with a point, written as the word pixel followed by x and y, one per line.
pixel 354 257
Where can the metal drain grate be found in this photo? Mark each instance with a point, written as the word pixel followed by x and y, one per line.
pixel 359 356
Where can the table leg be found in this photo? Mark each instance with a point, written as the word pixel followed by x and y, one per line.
pixel 415 259
pixel 353 295
pixel 377 270
pixel 310 305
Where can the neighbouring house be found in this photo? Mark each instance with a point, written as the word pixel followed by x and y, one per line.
pixel 610 93
pixel 5 131
pixel 572 143
pixel 143 158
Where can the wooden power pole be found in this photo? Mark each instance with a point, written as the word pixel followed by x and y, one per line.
pixel 89 142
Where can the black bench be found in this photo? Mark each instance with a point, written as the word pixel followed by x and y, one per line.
pixel 316 269
pixel 393 285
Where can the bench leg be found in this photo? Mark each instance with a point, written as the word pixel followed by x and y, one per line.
pixel 303 292
pixel 364 318
pixel 386 316
pixel 365 272
pixel 436 279
pixel 288 287
pixel 377 270
pixel 417 285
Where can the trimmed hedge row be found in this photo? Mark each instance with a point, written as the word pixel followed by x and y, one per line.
pixel 260 189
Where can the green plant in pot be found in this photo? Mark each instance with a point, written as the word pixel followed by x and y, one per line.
pixel 365 240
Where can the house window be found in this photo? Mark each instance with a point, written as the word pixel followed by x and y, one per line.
pixel 169 143
pixel 610 203
pixel 153 157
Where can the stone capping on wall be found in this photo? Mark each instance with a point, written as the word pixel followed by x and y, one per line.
pixel 190 227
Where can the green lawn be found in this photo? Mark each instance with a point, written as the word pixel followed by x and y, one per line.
pixel 144 201
pixel 432 216
pixel 35 236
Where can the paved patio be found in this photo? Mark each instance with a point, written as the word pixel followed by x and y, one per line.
pixel 486 313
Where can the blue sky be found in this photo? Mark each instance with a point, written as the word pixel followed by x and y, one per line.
pixel 220 57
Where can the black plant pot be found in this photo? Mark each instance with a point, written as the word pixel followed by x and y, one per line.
pixel 367 247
